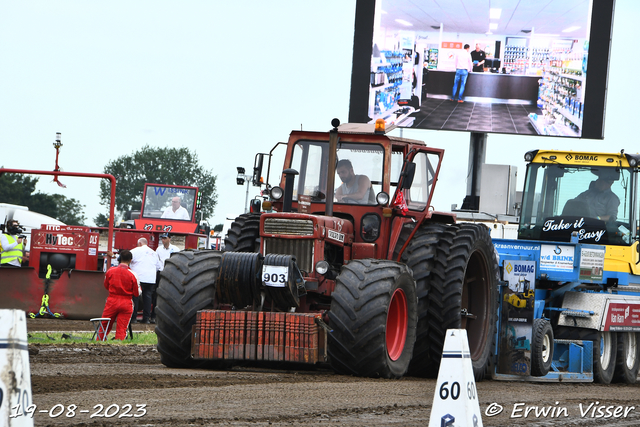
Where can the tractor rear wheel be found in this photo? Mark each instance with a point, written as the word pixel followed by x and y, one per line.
pixel 426 255
pixel 467 297
pixel 187 285
pixel 541 347
pixel 373 319
pixel 628 358
pixel 604 357
pixel 244 234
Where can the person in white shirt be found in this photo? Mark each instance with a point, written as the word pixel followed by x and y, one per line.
pixel 176 211
pixel 164 251
pixel 464 64
pixel 145 264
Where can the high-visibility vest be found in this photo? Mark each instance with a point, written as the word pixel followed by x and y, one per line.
pixel 13 254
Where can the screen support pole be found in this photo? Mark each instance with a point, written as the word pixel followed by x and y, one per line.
pixel 477 152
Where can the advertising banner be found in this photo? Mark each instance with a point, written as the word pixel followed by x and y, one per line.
pixel 557 258
pixel 622 317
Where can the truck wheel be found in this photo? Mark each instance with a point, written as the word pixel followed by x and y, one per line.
pixel 373 319
pixel 604 357
pixel 244 234
pixel 627 358
pixel 187 284
pixel 426 255
pixel 541 347
pixel 467 297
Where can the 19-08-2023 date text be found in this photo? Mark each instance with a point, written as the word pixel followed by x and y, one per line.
pixel 98 411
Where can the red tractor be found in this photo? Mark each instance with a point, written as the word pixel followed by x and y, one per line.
pixel 368 281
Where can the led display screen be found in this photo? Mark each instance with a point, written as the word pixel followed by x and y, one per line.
pixel 532 68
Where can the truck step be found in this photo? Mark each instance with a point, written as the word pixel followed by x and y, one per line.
pixel 576 313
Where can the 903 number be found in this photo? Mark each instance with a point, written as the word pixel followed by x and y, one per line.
pixel 275 276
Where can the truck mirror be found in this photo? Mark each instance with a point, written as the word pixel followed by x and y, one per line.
pixel 257 169
pixel 408 174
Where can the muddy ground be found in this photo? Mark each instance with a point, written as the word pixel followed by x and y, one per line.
pixel 103 380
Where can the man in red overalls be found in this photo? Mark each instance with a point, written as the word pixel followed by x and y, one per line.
pixel 122 285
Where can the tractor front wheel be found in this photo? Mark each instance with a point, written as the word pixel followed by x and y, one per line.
pixel 373 319
pixel 187 285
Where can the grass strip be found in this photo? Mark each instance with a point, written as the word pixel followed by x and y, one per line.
pixel 57 338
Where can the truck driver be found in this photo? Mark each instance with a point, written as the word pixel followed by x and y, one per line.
pixel 603 203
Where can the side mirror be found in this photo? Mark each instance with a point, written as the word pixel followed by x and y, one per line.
pixel 255 205
pixel 257 169
pixel 408 174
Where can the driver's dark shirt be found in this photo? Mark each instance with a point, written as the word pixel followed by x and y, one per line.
pixel 601 203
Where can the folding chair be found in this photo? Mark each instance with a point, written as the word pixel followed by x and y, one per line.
pixel 100 327
pixel 130 332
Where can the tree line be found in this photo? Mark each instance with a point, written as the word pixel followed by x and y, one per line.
pixel 171 166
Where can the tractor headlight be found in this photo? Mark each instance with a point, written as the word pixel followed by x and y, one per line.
pixel 382 198
pixel 322 267
pixel 529 156
pixel 276 193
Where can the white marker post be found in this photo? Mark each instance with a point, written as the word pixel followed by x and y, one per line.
pixel 455 401
pixel 15 375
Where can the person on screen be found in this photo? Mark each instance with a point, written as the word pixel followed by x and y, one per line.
pixel 463 65
pixel 354 188
pixel 176 211
pixel 478 56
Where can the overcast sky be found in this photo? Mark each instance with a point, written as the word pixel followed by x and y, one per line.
pixel 225 79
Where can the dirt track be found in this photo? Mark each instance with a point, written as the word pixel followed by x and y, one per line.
pixel 87 376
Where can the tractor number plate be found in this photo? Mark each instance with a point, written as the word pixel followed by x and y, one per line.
pixel 273 275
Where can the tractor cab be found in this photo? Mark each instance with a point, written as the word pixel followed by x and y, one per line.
pixel 589 197
pixel 348 194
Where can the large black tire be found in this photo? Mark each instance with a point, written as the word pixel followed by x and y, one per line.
pixel 244 234
pixel 541 347
pixel 187 285
pixel 627 358
pixel 426 255
pixel 373 319
pixel 467 297
pixel 604 357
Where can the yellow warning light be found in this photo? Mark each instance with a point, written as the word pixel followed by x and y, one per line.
pixel 266 205
pixel 380 126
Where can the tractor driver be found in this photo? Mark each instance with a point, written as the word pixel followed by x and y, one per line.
pixel 176 211
pixel 12 245
pixel 602 202
pixel 354 188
